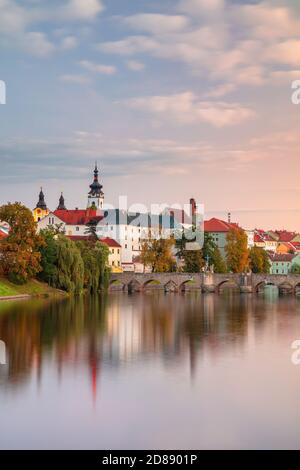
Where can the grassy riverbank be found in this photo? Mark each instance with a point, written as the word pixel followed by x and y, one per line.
pixel 32 288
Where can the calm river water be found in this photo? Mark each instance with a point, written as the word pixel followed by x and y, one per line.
pixel 150 370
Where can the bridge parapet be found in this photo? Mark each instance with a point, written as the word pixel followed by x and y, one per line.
pixel 207 282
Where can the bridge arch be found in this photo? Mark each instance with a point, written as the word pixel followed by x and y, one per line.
pixel 152 283
pixel 231 283
pixel 260 286
pixel 188 282
pixel 297 289
pixel 116 284
pixel 285 288
pixel 171 286
pixel 134 286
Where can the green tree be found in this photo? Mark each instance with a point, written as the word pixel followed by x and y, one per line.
pixel 157 253
pixel 19 252
pixel 49 257
pixel 295 269
pixel 193 261
pixel 70 266
pixel 91 231
pixel 237 253
pixel 95 261
pixel 259 260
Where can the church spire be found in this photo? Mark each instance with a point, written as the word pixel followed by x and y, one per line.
pixel 61 205
pixel 41 202
pixel 96 195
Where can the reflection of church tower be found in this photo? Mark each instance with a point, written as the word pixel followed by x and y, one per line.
pixel 96 195
pixel 61 205
pixel 41 210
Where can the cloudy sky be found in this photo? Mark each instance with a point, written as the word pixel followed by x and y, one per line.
pixel 174 98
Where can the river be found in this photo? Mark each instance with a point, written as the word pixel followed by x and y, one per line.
pixel 150 371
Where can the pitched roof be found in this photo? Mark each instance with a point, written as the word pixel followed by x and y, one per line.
pixel 258 238
pixel 78 216
pixel 110 242
pixel 3 233
pixel 218 225
pixel 287 257
pixel 295 245
pixel 285 236
pixel 78 238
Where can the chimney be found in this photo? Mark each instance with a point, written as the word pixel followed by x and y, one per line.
pixel 193 206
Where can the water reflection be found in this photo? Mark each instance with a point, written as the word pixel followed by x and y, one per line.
pixel 112 333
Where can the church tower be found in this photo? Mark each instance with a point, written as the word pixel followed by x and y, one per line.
pixel 96 195
pixel 61 203
pixel 41 210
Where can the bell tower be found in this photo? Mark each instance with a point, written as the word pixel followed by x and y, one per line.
pixel 41 210
pixel 96 195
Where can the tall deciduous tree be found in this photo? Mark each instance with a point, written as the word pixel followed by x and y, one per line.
pixel 19 252
pixel 95 261
pixel 70 266
pixel 193 261
pixel 259 260
pixel 49 257
pixel 157 253
pixel 237 253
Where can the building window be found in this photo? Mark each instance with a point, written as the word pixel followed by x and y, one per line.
pixel 118 251
pixel 77 229
pixel 113 251
pixel 126 246
pixel 113 263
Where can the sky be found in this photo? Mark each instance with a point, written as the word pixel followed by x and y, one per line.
pixel 174 99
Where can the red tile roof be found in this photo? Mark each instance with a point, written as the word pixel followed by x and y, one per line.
pixel 288 257
pixel 291 245
pixel 218 225
pixel 110 242
pixel 258 238
pixel 3 234
pixel 78 238
pixel 77 216
pixel 285 236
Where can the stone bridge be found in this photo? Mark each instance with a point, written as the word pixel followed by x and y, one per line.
pixel 206 282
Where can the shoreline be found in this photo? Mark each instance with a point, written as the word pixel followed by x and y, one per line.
pixel 32 289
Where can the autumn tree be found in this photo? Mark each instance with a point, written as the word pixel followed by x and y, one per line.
pixel 19 251
pixel 237 253
pixel 259 260
pixel 157 253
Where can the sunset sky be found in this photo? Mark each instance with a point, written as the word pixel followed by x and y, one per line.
pixel 173 98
